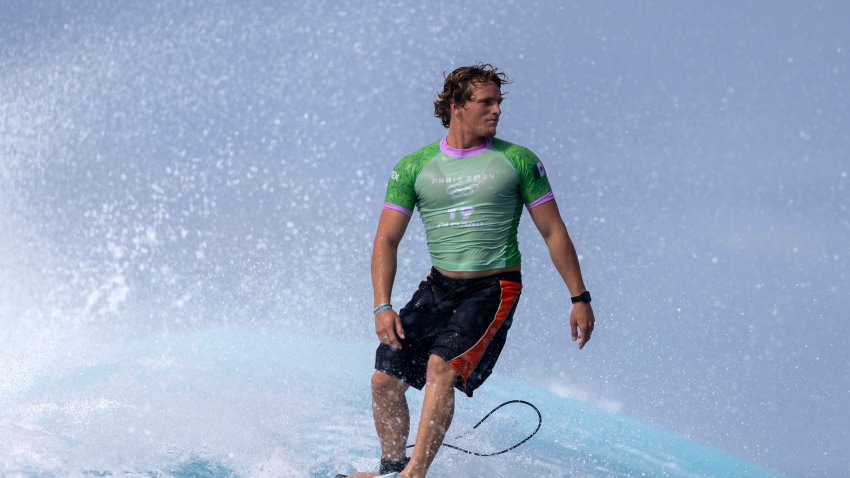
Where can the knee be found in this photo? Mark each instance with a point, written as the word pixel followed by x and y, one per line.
pixel 383 384
pixel 439 371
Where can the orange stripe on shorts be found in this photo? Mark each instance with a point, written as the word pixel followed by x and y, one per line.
pixel 466 362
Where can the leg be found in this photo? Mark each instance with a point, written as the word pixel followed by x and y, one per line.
pixel 437 412
pixel 391 414
pixel 392 417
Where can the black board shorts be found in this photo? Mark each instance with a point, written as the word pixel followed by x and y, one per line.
pixel 464 321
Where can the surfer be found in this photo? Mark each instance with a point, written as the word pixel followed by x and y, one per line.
pixel 470 188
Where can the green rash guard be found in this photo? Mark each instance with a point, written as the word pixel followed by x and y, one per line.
pixel 470 200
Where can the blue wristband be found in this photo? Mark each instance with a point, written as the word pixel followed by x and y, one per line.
pixel 382 308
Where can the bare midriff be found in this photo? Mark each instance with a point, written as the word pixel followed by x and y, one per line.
pixel 476 274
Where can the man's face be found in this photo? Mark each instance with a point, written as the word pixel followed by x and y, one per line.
pixel 480 115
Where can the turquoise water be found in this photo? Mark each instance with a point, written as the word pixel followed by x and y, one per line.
pixel 228 401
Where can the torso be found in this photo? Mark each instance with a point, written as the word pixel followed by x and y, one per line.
pixel 470 202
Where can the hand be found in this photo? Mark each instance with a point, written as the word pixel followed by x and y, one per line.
pixel 581 322
pixel 388 327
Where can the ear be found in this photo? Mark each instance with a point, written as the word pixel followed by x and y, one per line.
pixel 455 109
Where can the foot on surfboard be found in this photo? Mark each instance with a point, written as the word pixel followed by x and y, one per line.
pixel 390 475
pixel 388 468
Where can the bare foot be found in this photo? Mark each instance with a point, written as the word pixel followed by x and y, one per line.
pixel 363 475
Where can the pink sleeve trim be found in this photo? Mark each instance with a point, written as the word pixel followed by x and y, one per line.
pixel 545 198
pixel 396 207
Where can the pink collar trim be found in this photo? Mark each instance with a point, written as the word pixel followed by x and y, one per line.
pixel 464 153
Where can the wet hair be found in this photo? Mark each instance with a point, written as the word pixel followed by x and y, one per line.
pixel 460 85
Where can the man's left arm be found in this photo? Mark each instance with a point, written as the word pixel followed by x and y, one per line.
pixel 548 220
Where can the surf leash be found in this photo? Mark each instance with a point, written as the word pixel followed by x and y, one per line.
pixel 523 402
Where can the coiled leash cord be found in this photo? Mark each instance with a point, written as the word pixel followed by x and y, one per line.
pixel 539 424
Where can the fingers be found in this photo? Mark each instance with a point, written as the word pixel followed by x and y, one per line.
pixel 399 330
pixel 585 336
pixel 388 328
pixel 391 339
pixel 581 324
pixel 580 332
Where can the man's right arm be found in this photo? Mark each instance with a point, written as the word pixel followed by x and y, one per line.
pixel 391 228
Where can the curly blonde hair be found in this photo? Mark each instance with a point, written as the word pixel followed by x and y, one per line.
pixel 459 87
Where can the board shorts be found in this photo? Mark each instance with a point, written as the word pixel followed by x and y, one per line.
pixel 463 321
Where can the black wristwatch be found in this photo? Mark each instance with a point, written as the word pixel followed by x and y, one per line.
pixel 583 297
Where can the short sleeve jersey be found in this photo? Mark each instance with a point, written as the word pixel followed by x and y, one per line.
pixel 470 201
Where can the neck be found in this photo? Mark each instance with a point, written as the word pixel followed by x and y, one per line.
pixel 461 139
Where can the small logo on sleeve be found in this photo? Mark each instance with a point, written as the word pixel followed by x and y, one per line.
pixel 394 176
pixel 539 170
